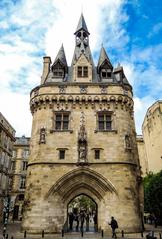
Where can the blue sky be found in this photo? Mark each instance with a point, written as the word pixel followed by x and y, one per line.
pixel 131 32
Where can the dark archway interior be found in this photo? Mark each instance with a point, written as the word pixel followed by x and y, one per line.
pixel 82 214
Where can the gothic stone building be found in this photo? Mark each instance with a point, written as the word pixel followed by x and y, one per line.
pixel 83 142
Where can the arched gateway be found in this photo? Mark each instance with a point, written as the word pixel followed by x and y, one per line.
pixel 81 181
pixel 83 142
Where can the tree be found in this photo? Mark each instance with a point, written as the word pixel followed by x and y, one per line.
pixel 153 194
pixel 83 202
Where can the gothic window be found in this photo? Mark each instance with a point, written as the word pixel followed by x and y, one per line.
pixel 62 121
pixel 62 154
pixel 13 165
pixel 21 197
pixel 10 183
pixel 22 182
pixel 58 71
pixel 25 153
pixel 82 71
pixel 24 165
pixel 104 121
pixel 97 154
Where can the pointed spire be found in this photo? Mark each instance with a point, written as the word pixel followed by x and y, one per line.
pixel 82 25
pixel 120 71
pixel 103 57
pixel 61 56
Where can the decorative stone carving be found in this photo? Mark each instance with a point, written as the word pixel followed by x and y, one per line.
pixel 62 89
pixel 42 139
pixel 103 89
pixel 82 142
pixel 36 92
pixel 83 89
pixel 128 141
pixel 82 136
pixel 82 152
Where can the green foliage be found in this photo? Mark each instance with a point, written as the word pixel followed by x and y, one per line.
pixel 153 194
pixel 83 202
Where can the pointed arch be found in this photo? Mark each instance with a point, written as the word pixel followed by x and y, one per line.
pixel 83 179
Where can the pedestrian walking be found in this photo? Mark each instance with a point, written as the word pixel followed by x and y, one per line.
pixel 114 226
pixel 71 219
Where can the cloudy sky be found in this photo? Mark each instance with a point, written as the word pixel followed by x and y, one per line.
pixel 130 30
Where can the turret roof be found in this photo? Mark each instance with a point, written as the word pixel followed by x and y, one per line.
pixel 103 57
pixel 82 25
pixel 61 56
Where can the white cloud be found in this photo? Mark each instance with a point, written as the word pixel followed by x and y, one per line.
pixel 156 29
pixel 15 108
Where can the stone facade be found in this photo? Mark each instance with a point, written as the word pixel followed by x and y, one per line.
pixel 142 155
pixel 83 142
pixel 152 135
pixel 7 138
pixel 19 170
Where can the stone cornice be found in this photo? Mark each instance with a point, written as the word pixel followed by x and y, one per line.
pixel 89 163
pixel 65 84
pixel 44 100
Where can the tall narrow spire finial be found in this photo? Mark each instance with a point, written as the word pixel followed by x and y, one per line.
pixel 81 25
pixel 82 9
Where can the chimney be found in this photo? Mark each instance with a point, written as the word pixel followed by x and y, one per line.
pixel 46 68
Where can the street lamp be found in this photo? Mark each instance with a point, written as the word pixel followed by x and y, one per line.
pixel 5 213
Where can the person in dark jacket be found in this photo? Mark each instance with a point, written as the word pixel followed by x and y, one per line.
pixel 71 219
pixel 113 225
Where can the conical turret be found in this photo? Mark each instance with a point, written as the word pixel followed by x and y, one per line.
pixel 82 25
pixel 104 58
pixel 61 57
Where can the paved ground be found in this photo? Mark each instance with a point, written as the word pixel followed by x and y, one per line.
pixel 13 231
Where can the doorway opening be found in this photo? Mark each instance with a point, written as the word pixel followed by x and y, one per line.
pixel 82 214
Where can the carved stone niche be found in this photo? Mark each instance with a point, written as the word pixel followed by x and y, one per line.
pixel 42 139
pixel 62 89
pixel 82 146
pixel 128 142
pixel 83 89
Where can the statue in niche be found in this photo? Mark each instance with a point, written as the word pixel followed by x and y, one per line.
pixel 127 142
pixel 82 133
pixel 82 144
pixel 42 139
pixel 82 152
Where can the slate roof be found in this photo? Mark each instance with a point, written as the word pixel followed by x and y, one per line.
pixel 103 57
pixel 117 77
pixel 82 25
pixel 61 56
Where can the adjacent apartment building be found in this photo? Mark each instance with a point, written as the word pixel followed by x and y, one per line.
pixel 7 138
pixel 19 169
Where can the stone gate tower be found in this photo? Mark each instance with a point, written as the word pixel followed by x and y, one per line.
pixel 83 141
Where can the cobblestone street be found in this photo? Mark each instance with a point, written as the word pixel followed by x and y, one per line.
pixel 13 231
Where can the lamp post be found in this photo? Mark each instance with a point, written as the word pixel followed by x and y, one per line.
pixel 5 213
